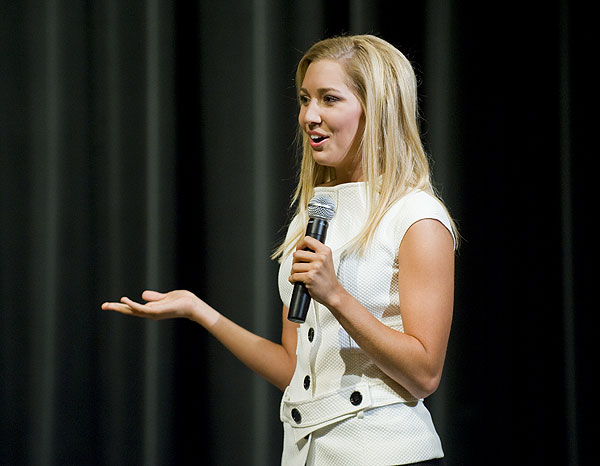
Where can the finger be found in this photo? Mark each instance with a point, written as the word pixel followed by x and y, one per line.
pixel 301 267
pixel 118 307
pixel 302 244
pixel 303 277
pixel 311 243
pixel 303 256
pixel 135 306
pixel 111 306
pixel 295 277
pixel 150 295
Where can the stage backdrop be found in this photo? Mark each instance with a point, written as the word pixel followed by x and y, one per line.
pixel 150 144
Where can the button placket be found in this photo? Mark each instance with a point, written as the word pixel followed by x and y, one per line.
pixel 310 335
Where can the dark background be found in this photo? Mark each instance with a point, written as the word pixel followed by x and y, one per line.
pixel 149 144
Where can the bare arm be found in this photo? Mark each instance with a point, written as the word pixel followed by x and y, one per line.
pixel 414 358
pixel 273 361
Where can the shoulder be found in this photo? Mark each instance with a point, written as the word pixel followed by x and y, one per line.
pixel 419 203
pixel 414 207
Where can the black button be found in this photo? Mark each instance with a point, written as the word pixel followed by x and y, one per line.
pixel 356 398
pixel 306 382
pixel 311 334
pixel 296 416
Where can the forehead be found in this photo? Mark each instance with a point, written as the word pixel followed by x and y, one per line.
pixel 325 73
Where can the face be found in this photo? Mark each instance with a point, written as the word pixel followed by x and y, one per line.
pixel 333 119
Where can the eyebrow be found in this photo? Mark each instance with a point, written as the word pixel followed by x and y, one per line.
pixel 322 90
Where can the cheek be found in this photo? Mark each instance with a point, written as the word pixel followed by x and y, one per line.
pixel 352 126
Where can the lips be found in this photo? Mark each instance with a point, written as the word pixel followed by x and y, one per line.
pixel 317 139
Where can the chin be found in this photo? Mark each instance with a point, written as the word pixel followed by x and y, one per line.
pixel 322 161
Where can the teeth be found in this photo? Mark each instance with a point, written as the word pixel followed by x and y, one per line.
pixel 315 137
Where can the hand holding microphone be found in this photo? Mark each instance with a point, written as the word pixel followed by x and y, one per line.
pixel 321 210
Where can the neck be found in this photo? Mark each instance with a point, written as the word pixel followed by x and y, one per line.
pixel 347 176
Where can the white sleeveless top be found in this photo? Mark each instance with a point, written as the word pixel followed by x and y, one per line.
pixel 340 408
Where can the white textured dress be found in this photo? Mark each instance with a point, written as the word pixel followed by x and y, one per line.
pixel 340 408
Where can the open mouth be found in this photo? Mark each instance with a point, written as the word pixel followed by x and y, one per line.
pixel 316 140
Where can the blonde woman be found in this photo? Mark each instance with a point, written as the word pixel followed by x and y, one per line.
pixel 373 345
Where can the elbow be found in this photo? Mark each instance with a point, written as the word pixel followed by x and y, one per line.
pixel 283 382
pixel 425 386
pixel 282 385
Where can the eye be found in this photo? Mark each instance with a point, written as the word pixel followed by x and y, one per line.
pixel 303 99
pixel 330 99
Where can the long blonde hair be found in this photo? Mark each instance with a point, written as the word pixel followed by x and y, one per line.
pixel 393 158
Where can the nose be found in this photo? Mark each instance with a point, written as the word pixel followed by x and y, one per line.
pixel 310 113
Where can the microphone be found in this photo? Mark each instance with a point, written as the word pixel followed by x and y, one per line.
pixel 321 210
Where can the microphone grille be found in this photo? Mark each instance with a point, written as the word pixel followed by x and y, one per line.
pixel 321 206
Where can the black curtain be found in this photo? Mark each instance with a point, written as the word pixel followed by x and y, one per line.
pixel 148 144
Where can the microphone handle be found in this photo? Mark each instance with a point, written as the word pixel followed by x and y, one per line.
pixel 317 228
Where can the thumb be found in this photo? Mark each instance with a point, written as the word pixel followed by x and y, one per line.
pixel 150 295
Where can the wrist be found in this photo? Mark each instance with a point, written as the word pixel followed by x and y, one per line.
pixel 338 300
pixel 203 314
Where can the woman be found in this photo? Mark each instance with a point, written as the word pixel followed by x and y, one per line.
pixel 375 337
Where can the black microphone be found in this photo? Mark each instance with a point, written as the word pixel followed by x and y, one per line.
pixel 321 209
